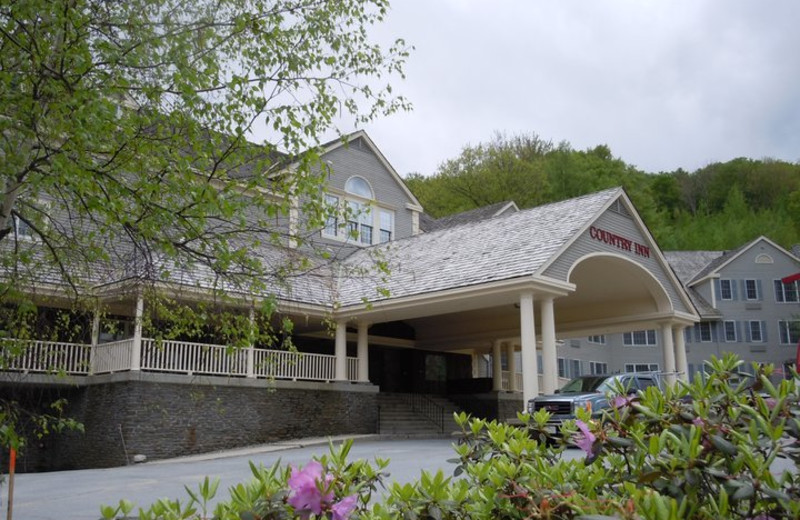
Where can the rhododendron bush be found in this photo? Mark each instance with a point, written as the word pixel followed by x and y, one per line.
pixel 726 446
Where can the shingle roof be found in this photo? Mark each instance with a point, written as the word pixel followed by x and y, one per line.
pixel 500 248
pixel 691 265
pixel 474 215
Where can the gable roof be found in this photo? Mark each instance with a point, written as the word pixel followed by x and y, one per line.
pixel 473 215
pixel 506 247
pixel 711 270
pixel 361 134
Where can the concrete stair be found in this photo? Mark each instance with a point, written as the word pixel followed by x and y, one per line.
pixel 398 416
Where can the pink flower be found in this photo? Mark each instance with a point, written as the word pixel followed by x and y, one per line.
pixel 621 400
pixel 342 509
pixel 698 421
pixel 771 402
pixel 309 489
pixel 585 439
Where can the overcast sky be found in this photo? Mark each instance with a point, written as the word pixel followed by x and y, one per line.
pixel 665 84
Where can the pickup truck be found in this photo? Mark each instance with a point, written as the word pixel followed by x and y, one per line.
pixel 592 392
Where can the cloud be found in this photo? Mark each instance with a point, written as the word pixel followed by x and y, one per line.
pixel 664 84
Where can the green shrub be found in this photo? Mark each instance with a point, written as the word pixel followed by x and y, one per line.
pixel 708 450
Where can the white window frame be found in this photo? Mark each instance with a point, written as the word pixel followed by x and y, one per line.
pixel 383 229
pixel 598 367
pixel 357 220
pixel 648 367
pixel 725 331
pixel 702 327
pixel 630 339
pixel 785 331
pixel 754 287
pixel 331 228
pixel 750 331
pixel 726 285
pixel 597 340
pixel 563 367
pixel 573 363
pixel 784 289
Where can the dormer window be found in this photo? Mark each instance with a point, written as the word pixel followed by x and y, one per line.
pixel 357 216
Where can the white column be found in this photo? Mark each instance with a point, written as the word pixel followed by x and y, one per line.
pixel 530 374
pixel 512 366
pixel 363 352
pixel 136 353
pixel 340 364
pixel 549 356
pixel 497 367
pixel 680 353
pixel 669 353
pixel 95 339
pixel 476 359
pixel 251 346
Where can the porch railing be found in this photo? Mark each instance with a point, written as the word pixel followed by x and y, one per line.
pixel 192 358
pixel 45 357
pixel 169 357
pixel 112 357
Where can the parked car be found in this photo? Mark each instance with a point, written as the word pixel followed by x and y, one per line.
pixel 592 392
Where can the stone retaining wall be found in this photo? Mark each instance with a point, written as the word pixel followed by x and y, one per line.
pixel 163 416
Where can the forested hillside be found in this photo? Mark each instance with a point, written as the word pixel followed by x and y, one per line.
pixel 720 206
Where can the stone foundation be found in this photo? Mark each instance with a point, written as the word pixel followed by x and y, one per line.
pixel 163 416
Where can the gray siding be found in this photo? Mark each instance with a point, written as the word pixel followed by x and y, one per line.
pixel 626 227
pixel 357 158
pixel 766 310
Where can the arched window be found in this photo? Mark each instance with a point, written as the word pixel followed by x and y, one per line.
pixel 356 219
pixel 359 186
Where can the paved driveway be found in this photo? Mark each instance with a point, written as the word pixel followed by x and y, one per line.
pixel 77 495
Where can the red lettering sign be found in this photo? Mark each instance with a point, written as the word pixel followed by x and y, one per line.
pixel 612 239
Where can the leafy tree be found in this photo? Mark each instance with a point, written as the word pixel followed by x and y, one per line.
pixel 125 130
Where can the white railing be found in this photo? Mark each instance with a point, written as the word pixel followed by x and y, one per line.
pixel 114 356
pixel 192 358
pixel 281 364
pixel 352 369
pixel 168 356
pixel 45 356
pixel 506 380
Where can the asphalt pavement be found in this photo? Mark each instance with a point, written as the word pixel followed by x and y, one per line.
pixel 77 495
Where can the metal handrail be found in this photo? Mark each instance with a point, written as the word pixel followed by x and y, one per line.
pixel 428 408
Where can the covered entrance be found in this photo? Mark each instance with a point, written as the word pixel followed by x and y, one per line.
pixel 519 284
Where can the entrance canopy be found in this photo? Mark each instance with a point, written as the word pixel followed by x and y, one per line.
pixel 575 268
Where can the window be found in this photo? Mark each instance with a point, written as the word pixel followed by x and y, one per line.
pixel 21 229
pixel 702 331
pixel 641 367
pixel 386 225
pixel 754 331
pixel 575 367
pixel 598 367
pixel 725 289
pixel 751 289
pixel 358 186
pixel 597 340
pixel 639 338
pixel 730 331
pixel 789 332
pixel 786 292
pixel 562 367
pixel 332 222
pixel 357 220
